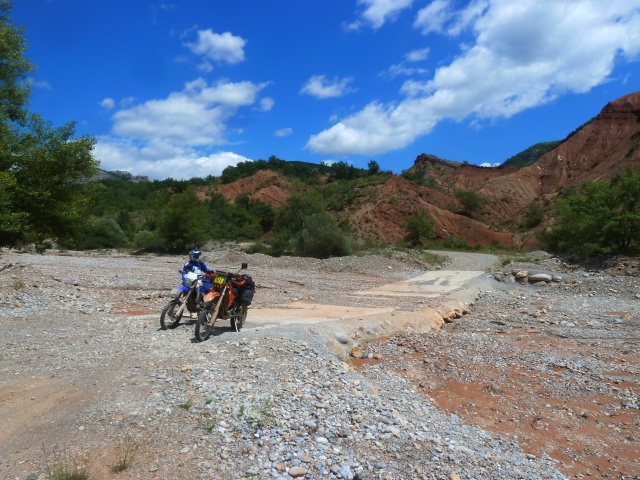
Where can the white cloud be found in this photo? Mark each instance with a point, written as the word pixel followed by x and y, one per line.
pixel 525 54
pixel 318 86
pixel 217 48
pixel 173 136
pixel 434 16
pixel 377 12
pixel 489 165
pixel 39 83
pixel 267 104
pixel 402 68
pixel 108 103
pixel 417 55
pixel 160 160
pixel 196 115
pixel 283 132
pixel 439 16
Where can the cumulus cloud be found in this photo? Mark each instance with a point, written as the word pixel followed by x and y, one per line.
pixel 523 55
pixel 377 12
pixel 159 160
pixel 173 136
pixel 417 55
pixel 406 67
pixel 283 132
pixel 433 17
pixel 320 87
pixel 217 48
pixel 267 104
pixel 108 103
pixel 196 115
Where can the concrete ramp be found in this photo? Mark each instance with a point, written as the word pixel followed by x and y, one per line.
pixel 430 284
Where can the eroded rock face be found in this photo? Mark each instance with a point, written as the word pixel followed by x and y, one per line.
pixel 595 151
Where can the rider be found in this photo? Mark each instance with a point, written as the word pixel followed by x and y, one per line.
pixel 196 263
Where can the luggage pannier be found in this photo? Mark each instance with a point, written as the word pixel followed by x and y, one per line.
pixel 243 288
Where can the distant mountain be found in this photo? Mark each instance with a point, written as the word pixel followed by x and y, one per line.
pixel 121 175
pixel 531 154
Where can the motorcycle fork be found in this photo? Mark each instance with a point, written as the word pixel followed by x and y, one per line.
pixel 180 311
pixel 217 310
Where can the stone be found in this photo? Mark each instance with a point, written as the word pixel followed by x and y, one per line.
pixel 357 352
pixel 540 277
pixel 453 476
pixel 520 274
pixel 296 472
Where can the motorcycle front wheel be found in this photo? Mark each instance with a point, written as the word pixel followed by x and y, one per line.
pixel 168 317
pixel 204 325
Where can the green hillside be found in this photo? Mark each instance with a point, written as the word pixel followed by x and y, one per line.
pixel 531 154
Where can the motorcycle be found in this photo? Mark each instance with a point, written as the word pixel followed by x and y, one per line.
pixel 221 303
pixel 188 296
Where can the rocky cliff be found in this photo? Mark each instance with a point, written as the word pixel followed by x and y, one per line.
pixel 595 151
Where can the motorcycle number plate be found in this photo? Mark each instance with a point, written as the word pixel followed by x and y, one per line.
pixel 219 280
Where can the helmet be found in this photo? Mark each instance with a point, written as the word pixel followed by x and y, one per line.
pixel 194 255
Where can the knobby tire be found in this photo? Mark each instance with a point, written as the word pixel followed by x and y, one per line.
pixel 167 317
pixel 203 329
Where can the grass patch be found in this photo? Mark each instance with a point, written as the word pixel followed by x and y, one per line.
pixel 127 447
pixel 186 405
pixel 259 415
pixel 208 422
pixel 62 465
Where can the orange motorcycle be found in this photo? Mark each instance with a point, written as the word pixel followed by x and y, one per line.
pixel 221 303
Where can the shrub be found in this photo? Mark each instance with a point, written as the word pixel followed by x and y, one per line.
pixel 420 228
pixel 103 233
pixel 533 216
pixel 600 217
pixel 471 202
pixel 147 240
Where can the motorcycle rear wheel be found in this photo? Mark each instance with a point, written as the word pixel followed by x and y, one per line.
pixel 168 318
pixel 204 324
pixel 238 321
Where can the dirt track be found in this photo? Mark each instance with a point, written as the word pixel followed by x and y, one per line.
pixel 80 340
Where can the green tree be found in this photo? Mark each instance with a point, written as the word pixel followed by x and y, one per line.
pixel 103 233
pixel 419 227
pixel 184 222
pixel 533 216
pixel 471 202
pixel 303 227
pixel 599 217
pixel 373 167
pixel 41 166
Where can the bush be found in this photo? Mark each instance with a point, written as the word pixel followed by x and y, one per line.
pixel 103 233
pixel 147 240
pixel 321 238
pixel 533 216
pixel 184 222
pixel 420 228
pixel 471 202
pixel 600 217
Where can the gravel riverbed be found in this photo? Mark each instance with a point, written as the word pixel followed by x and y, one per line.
pixel 536 383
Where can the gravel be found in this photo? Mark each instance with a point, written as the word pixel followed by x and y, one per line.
pixel 85 367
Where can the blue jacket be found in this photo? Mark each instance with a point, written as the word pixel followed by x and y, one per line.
pixel 191 265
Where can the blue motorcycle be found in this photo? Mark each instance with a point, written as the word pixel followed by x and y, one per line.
pixel 188 296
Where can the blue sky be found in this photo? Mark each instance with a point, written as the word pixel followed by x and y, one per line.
pixel 185 88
